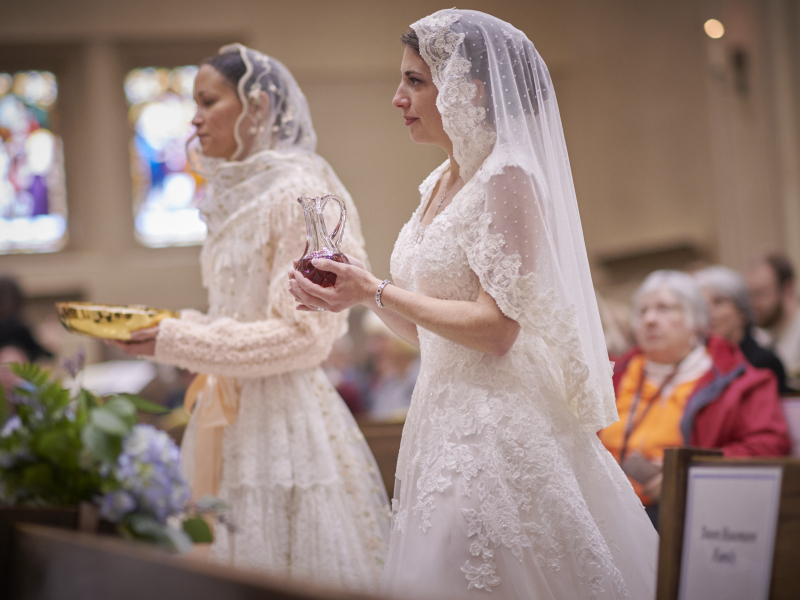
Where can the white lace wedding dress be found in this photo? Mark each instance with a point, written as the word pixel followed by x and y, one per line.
pixel 304 492
pixel 499 488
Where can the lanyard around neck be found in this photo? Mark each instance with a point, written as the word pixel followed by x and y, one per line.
pixel 631 422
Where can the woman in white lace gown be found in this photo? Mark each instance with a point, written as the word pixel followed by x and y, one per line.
pixel 502 483
pixel 303 489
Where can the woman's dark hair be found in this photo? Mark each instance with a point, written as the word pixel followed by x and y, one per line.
pixel 410 39
pixel 230 65
pixel 233 68
pixel 781 266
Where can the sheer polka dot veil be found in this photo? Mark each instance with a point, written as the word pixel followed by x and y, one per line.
pixel 517 217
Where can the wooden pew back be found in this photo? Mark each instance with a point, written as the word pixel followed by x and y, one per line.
pixel 55 564
pixel 785 579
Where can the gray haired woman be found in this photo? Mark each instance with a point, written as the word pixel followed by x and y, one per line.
pixel 731 317
pixel 681 386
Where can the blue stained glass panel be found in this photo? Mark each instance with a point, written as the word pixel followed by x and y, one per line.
pixel 165 190
pixel 33 198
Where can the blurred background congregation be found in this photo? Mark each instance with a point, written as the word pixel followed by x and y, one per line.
pixel 682 121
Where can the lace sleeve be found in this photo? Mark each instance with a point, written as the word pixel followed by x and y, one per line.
pixel 504 225
pixel 286 340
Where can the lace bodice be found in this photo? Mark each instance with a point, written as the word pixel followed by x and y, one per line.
pixel 435 254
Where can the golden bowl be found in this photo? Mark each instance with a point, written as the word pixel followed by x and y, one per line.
pixel 108 321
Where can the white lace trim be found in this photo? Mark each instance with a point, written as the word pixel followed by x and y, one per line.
pixel 463 122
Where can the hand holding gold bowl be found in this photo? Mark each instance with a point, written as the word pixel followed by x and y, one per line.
pixel 108 321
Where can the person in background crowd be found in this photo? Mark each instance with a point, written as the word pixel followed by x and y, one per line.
pixel 396 367
pixel 616 320
pixel 770 279
pixel 349 380
pixel 679 387
pixel 17 343
pixel 11 299
pixel 731 317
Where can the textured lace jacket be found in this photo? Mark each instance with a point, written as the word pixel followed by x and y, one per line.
pixel 256 230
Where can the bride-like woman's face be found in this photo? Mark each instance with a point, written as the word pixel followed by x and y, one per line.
pixel 218 107
pixel 416 97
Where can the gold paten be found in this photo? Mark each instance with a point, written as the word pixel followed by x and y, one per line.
pixel 108 321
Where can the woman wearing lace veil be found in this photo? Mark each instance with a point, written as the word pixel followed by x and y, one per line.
pixel 502 483
pixel 269 435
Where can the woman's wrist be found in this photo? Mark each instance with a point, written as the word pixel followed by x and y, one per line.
pixel 370 287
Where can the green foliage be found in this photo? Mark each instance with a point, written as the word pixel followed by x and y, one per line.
pixel 109 422
pixel 198 530
pixel 101 446
pixel 144 527
pixel 143 405
pixel 58 448
pixel 55 452
pixel 31 373
pixel 42 454
pixel 3 406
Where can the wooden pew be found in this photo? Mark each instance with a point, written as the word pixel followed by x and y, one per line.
pixel 785 578
pixel 58 564
pixel 81 518
pixel 383 439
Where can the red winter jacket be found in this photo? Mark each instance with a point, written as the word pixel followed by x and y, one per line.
pixel 734 407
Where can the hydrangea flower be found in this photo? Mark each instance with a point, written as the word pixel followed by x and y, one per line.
pixel 148 471
pixel 11 426
pixel 115 505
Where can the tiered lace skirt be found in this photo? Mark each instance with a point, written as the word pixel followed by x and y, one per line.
pixel 303 490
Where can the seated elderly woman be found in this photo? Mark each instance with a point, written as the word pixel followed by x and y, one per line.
pixel 681 387
pixel 731 317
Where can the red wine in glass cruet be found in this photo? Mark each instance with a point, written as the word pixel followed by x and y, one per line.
pixel 318 243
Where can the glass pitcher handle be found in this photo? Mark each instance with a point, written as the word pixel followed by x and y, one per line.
pixel 338 232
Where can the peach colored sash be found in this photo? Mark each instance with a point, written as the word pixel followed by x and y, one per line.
pixel 218 403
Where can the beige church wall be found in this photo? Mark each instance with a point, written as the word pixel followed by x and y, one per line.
pixel 664 154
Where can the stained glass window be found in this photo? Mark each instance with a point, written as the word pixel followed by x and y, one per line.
pixel 33 198
pixel 165 191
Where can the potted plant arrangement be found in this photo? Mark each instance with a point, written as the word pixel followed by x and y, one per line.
pixel 61 448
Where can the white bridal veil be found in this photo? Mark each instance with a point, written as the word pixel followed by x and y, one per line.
pixel 522 230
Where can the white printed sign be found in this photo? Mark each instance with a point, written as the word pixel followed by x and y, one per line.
pixel 729 538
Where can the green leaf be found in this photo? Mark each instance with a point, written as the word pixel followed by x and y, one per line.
pixel 145 405
pixel 123 408
pixel 102 446
pixel 87 399
pixel 31 373
pixel 198 530
pixel 55 446
pixel 110 423
pixel 53 396
pixel 147 528
pixel 37 477
pixel 3 406
pixel 85 402
pixel 210 504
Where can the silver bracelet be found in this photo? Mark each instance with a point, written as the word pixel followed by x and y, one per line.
pixel 379 291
